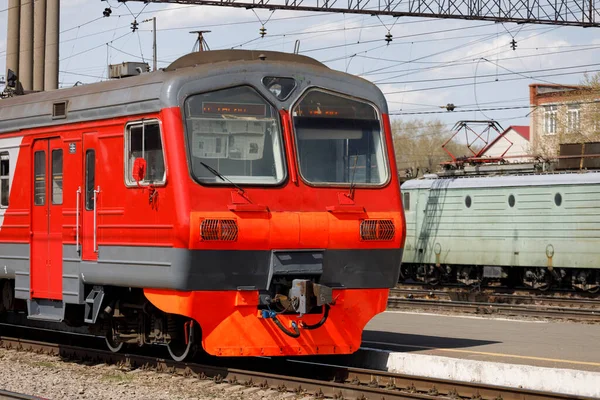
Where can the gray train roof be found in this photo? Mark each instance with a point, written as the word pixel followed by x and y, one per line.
pixel 192 73
pixel 550 179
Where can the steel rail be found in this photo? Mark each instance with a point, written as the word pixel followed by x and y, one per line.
pixel 529 310
pixel 5 394
pixel 326 380
pixel 567 299
pixel 498 295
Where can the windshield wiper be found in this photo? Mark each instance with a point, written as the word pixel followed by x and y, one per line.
pixel 222 177
pixel 351 193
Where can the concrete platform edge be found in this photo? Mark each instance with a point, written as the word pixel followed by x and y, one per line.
pixel 557 380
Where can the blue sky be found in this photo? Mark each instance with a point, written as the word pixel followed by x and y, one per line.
pixel 429 63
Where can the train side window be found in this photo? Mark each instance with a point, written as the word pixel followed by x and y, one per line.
pixel 557 199
pixel 90 178
pixel 39 176
pixel 57 176
pixel 4 179
pixel 406 201
pixel 511 200
pixel 143 140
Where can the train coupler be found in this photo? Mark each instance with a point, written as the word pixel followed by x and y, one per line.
pixel 303 297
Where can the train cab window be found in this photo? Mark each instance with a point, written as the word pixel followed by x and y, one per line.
pixel 339 140
pixel 90 178
pixel 143 140
pixel 57 176
pixel 39 176
pixel 406 201
pixel 235 133
pixel 4 179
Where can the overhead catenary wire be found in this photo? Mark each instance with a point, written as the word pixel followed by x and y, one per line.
pixel 486 82
pixel 445 51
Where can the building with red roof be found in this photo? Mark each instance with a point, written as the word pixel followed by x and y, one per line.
pixel 513 145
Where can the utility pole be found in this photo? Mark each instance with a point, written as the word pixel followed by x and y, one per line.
pixel 154 44
pixel 154 50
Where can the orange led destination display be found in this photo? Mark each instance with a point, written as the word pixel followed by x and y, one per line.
pixel 257 110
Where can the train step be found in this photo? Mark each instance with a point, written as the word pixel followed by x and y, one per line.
pixel 45 310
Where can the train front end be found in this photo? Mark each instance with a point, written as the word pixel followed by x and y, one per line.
pixel 291 203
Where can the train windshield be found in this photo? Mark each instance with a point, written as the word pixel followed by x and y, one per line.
pixel 339 140
pixel 235 132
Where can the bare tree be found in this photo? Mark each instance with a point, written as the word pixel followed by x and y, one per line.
pixel 418 146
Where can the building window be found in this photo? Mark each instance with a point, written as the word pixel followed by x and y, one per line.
pixel 550 120
pixel 143 140
pixel 573 123
pixel 4 179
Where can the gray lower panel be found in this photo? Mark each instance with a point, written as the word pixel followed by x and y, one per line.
pixel 72 283
pixel 14 264
pixel 13 257
pixel 183 269
pixel 22 285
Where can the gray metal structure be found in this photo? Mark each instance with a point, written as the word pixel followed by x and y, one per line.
pixel 559 12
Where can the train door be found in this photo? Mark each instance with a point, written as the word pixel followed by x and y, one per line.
pixel 47 219
pixel 90 195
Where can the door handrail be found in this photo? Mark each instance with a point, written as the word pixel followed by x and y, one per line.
pixel 95 219
pixel 77 220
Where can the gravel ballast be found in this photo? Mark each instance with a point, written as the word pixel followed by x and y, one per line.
pixel 52 378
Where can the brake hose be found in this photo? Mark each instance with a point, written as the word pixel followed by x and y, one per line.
pixel 318 324
pixel 294 334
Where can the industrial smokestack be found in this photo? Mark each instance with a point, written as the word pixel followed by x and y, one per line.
pixel 51 66
pixel 12 37
pixel 26 45
pixel 39 43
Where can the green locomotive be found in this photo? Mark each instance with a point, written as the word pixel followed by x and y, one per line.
pixel 536 230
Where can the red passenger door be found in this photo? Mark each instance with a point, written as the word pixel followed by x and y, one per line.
pixel 47 219
pixel 90 196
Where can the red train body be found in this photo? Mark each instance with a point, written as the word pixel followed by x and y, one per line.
pixel 245 201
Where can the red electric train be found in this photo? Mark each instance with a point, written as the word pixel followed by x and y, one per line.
pixel 244 201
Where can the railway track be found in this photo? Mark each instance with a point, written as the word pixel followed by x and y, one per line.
pixel 306 378
pixel 6 395
pixel 490 301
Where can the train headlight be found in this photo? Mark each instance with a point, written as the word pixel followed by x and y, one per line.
pixel 276 89
pixel 279 87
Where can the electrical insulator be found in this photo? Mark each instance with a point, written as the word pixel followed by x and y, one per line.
pixel 134 26
pixel 263 31
pixel 513 44
pixel 388 37
pixel 107 12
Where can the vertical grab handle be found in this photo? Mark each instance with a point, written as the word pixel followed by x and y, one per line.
pixel 77 220
pixel 96 191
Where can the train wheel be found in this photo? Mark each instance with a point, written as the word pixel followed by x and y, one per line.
pixel 112 342
pixel 594 290
pixel 186 346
